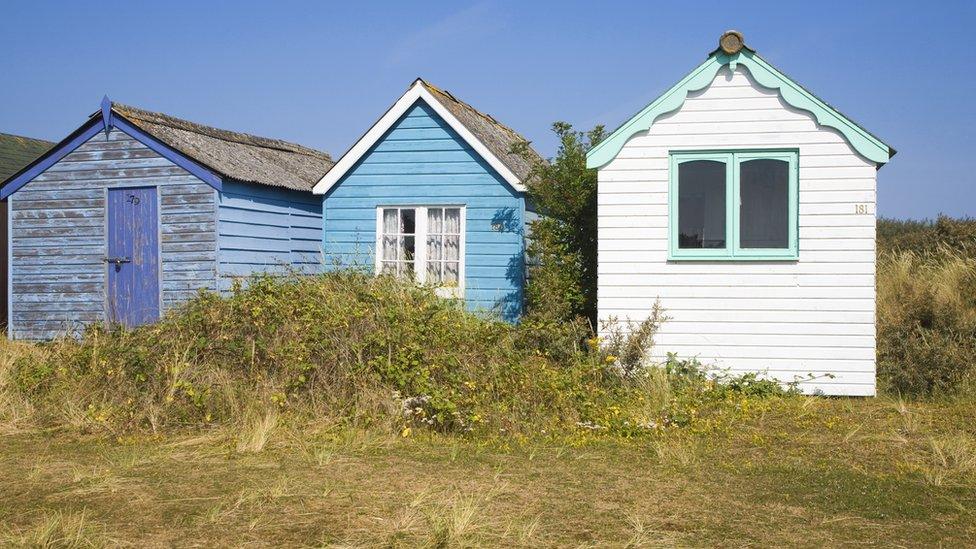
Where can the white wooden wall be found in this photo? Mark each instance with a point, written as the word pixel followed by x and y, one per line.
pixel 789 319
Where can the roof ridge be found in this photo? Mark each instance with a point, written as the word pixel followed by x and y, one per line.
pixel 490 118
pixel 153 117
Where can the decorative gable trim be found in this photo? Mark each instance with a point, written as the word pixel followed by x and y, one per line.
pixel 417 92
pixel 105 121
pixel 767 76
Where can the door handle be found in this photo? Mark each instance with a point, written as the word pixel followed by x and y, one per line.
pixel 117 261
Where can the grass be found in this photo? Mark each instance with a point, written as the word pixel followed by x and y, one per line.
pixel 806 471
pixel 347 411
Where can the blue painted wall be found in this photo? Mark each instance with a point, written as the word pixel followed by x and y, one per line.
pixel 422 161
pixel 266 229
pixel 58 239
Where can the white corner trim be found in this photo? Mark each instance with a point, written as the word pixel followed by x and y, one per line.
pixel 417 91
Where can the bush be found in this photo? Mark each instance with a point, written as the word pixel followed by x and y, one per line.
pixel 344 347
pixel 563 242
pixel 926 321
pixel 928 237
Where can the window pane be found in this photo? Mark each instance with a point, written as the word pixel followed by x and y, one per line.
pixel 406 269
pixel 452 220
pixel 390 221
pixel 701 204
pixel 435 218
pixel 408 221
pixel 434 272
pixel 764 210
pixel 389 267
pixel 452 247
pixel 451 273
pixel 389 248
pixel 407 251
pixel 434 247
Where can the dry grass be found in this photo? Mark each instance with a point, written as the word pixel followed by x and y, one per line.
pixel 952 459
pixel 58 530
pixel 255 434
pixel 817 471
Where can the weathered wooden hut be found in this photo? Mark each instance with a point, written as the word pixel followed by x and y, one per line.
pixel 136 211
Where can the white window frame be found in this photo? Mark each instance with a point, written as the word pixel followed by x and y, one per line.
pixel 420 244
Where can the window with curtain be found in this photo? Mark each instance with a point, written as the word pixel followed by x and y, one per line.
pixel 733 205
pixel 439 260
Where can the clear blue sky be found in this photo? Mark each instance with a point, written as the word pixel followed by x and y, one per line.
pixel 320 73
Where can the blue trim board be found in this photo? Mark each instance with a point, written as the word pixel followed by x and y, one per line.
pixel 106 115
pixel 91 128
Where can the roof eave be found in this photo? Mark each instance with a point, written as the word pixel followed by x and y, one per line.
pixel 866 144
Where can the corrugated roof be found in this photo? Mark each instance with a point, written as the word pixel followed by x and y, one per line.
pixel 17 152
pixel 498 137
pixel 240 156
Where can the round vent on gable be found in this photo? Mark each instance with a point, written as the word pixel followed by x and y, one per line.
pixel 731 42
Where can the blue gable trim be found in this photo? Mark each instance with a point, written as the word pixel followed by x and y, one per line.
pixel 90 129
pixel 106 115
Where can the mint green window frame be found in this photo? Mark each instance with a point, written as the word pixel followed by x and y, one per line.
pixel 733 251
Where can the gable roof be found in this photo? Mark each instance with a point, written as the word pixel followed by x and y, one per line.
pixel 488 137
pixel 863 141
pixel 209 153
pixel 17 152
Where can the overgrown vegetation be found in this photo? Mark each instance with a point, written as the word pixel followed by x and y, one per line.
pixel 927 237
pixel 369 352
pixel 563 246
pixel 927 306
pixel 348 410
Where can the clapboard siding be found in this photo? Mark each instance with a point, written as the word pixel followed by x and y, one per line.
pixel 787 318
pixel 58 234
pixel 422 161
pixel 264 229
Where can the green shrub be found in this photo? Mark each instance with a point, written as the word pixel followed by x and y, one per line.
pixel 928 237
pixel 348 347
pixel 926 321
pixel 563 242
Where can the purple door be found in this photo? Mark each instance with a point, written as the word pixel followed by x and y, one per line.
pixel 133 256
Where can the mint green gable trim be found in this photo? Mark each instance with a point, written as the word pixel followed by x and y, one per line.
pixel 732 251
pixel 767 76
